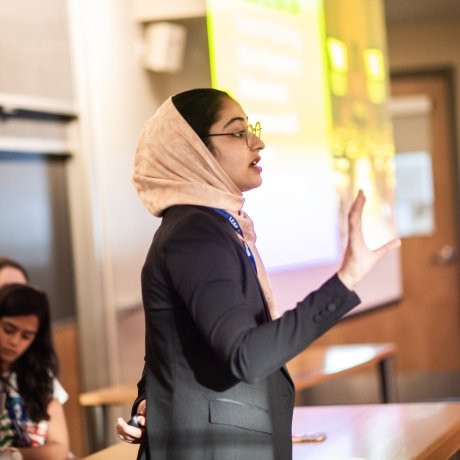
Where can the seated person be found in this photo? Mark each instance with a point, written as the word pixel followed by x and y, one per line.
pixel 32 424
pixel 12 272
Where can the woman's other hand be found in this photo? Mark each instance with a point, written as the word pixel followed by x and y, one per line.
pixel 358 259
pixel 130 433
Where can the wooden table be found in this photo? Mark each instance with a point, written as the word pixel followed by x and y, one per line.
pixel 315 365
pixel 320 364
pixel 415 431
pixel 428 431
pixel 123 393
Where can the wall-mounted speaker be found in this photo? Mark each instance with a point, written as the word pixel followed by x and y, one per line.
pixel 164 46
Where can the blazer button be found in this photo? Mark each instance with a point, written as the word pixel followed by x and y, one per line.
pixel 331 307
pixel 318 317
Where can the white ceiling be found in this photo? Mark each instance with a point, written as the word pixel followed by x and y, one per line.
pixel 419 10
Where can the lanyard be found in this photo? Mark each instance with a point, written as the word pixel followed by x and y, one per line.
pixel 236 226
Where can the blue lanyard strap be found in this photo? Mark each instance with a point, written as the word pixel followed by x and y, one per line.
pixel 236 226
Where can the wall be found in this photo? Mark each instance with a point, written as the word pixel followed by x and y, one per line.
pixel 416 45
pixel 111 227
pixel 34 49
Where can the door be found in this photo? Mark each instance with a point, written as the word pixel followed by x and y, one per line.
pixel 429 252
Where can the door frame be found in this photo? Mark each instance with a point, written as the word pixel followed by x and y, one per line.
pixel 447 73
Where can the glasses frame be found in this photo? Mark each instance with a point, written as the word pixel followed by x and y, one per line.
pixel 253 130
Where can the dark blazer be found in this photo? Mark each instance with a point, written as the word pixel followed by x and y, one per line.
pixel 214 376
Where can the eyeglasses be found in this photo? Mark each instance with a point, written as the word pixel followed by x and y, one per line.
pixel 251 134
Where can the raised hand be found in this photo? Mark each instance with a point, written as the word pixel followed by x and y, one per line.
pixel 358 259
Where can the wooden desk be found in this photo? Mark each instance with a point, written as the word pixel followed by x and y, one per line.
pixel 320 364
pixel 120 451
pixel 123 393
pixel 415 431
pixel 315 365
pixel 425 431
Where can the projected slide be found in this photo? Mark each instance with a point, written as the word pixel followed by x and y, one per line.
pixel 267 65
pixel 316 80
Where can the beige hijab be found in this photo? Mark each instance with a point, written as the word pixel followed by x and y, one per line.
pixel 173 166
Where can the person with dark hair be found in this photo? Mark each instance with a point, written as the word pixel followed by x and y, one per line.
pixel 12 271
pixel 215 385
pixel 32 424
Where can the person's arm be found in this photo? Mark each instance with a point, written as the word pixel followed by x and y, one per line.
pixel 211 273
pixel 212 291
pixel 56 446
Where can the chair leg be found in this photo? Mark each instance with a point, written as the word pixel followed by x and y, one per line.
pixel 387 380
pixel 96 433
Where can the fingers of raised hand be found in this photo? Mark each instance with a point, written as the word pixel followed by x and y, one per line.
pixel 358 204
pixel 387 247
pixel 356 212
